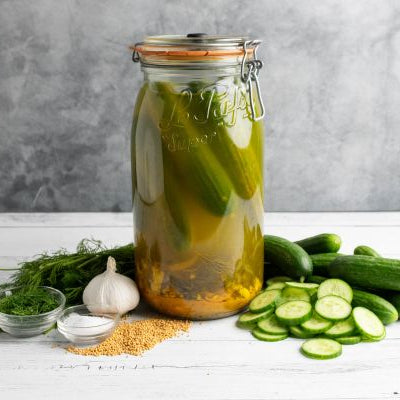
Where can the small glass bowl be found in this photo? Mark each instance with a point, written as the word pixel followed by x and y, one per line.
pixel 31 325
pixel 86 334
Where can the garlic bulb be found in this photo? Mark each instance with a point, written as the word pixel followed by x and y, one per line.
pixel 111 292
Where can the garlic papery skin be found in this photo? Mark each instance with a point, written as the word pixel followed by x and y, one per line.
pixel 111 292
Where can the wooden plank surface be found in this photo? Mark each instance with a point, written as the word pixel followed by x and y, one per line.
pixel 215 360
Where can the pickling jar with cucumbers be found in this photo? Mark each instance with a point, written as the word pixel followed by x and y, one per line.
pixel 197 174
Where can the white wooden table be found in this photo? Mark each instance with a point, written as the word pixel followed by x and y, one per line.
pixel 215 360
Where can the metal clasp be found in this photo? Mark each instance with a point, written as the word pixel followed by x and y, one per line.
pixel 250 75
pixel 135 54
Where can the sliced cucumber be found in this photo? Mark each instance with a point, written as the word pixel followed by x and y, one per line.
pixel 383 309
pixel 300 333
pixel 305 286
pixel 316 324
pixel 249 319
pixel 368 323
pixel 349 339
pixel 366 339
pixel 333 308
pixel 272 326
pixel 342 328
pixel 321 349
pixel 275 279
pixel 290 294
pixel 276 285
pixel 264 301
pixel 294 312
pixel 335 287
pixel 260 335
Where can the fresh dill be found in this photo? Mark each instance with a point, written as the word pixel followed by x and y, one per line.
pixel 31 301
pixel 71 272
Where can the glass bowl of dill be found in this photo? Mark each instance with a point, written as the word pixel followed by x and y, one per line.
pixel 27 311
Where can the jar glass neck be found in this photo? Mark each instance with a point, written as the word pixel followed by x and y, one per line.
pixel 180 74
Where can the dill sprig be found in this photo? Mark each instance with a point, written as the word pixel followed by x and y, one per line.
pixel 71 272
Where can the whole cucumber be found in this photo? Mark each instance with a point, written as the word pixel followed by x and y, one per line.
pixel 322 243
pixel 367 271
pixel 366 251
pixel 321 262
pixel 394 299
pixel 292 260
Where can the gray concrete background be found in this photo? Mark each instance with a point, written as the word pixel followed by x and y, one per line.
pixel 331 85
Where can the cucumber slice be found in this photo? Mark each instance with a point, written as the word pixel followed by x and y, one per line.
pixel 278 279
pixel 294 312
pixel 264 301
pixel 260 335
pixel 305 286
pixel 276 285
pixel 249 319
pixel 300 333
pixel 366 339
pixel 333 308
pixel 368 323
pixel 349 339
pixel 272 326
pixel 321 348
pixel 342 328
pixel 289 294
pixel 335 287
pixel 316 324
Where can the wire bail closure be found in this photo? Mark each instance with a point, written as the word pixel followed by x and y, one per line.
pixel 251 75
pixel 135 54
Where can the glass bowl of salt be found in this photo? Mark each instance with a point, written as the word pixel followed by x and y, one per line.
pixel 84 325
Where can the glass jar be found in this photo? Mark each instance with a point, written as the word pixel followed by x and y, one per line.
pixel 197 172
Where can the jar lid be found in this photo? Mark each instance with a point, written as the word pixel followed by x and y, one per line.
pixel 194 48
pixel 199 50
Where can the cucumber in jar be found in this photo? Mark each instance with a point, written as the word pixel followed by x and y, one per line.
pixel 138 105
pixel 200 168
pixel 176 206
pixel 180 233
pixel 233 134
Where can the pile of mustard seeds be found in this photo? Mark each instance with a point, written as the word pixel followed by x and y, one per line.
pixel 135 337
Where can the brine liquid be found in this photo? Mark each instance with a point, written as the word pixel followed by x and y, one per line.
pixel 197 192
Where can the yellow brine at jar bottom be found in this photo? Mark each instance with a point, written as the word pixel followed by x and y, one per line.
pixel 215 305
pixel 216 276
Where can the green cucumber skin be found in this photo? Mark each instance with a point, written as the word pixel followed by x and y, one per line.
pixel 383 309
pixel 367 272
pixel 366 251
pixel 182 239
pixel 293 261
pixel 394 299
pixel 316 279
pixel 241 165
pixel 348 340
pixel 321 261
pixel 322 243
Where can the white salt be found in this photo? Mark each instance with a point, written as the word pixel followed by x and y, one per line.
pixel 87 325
